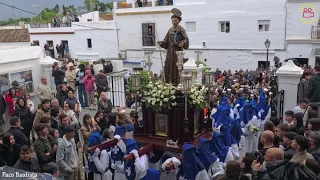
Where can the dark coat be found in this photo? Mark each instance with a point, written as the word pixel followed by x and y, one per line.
pixel 102 83
pixel 43 146
pixel 3 104
pixel 61 96
pixel 314 88
pixel 302 89
pixel 26 118
pixel 58 76
pixel 10 154
pixel 30 166
pixel 19 136
pixel 289 152
pixel 105 110
pixel 108 68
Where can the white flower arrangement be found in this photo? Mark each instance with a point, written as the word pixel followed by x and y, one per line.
pixel 254 129
pixel 196 98
pixel 159 95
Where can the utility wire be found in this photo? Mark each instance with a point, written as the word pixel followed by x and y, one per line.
pixel 18 8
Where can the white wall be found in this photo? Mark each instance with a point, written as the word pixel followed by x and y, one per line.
pixel 21 59
pixel 102 34
pixel 15 44
pixel 296 29
pixel 93 15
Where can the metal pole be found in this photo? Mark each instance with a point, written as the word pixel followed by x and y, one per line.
pixel 135 102
pixel 267 65
pixel 186 109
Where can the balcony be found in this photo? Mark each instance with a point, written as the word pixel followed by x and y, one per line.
pixel 315 32
pixel 153 3
pixel 50 25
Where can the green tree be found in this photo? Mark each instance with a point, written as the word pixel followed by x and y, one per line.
pixel 90 4
pixel 56 9
pixel 64 11
pixel 102 7
pixel 109 6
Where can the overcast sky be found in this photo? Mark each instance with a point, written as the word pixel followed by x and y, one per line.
pixel 6 12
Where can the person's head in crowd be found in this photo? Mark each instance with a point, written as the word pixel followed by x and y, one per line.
pixel 63 88
pixel 15 122
pixel 288 138
pixel 134 116
pixel 51 168
pixel 267 138
pixel 55 112
pixel 25 153
pixel 306 133
pixel 87 120
pixel 313 165
pixel 103 96
pixel 275 120
pixel 298 119
pixel 54 133
pixel 69 132
pixel 27 96
pixel 314 138
pixel 70 94
pixel 304 103
pixel 21 103
pixel 99 116
pixel 41 129
pixel 269 126
pixel 221 177
pixel 82 67
pixel 45 104
pixel 300 143
pixel 54 102
pixel 317 69
pixel 233 169
pixel 273 154
pixel 313 124
pixel 312 114
pixel 101 73
pixel 64 120
pixel 67 107
pixel 46 120
pixel 12 92
pixel 8 140
pixel 283 128
pixel 112 119
pixel 307 75
pixel 289 116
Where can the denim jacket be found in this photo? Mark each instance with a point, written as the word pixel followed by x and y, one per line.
pixel 64 156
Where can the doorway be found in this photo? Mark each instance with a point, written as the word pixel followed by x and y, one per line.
pixel 302 62
pixel 317 60
pixel 63 45
pixel 50 48
pixel 263 64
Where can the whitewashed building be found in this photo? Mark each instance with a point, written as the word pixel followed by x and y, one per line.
pixel 93 37
pixel 241 45
pixel 302 31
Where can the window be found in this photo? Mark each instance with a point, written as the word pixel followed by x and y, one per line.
pixel 89 43
pixel 148 31
pixel 36 43
pixel 89 20
pixel 191 26
pixel 224 26
pixel 264 25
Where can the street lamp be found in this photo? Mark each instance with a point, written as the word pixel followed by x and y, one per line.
pixel 135 84
pixel 186 88
pixel 198 62
pixel 267 45
pixel 209 77
pixel 179 64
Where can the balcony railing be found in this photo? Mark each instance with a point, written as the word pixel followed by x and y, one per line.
pixel 124 5
pixel 315 32
pixel 50 25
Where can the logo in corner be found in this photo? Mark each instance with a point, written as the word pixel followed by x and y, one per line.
pixel 308 13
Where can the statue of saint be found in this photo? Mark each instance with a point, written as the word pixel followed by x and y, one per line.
pixel 175 40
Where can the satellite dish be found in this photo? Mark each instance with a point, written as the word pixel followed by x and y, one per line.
pixel 176 12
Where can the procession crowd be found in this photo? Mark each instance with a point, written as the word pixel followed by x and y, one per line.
pixel 247 142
